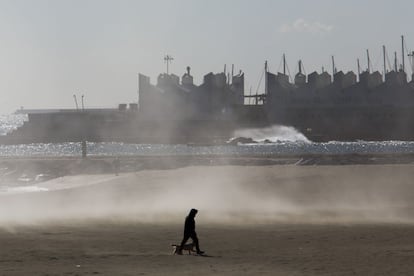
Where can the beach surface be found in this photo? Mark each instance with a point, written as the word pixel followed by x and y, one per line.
pixel 267 220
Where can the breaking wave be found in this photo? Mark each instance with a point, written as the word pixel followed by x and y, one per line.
pixel 273 134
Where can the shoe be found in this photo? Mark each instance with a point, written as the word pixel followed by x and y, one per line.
pixel 200 252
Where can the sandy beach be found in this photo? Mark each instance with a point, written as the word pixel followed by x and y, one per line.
pixel 108 248
pixel 253 220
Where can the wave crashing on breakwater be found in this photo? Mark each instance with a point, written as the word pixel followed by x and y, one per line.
pixel 272 140
pixel 273 134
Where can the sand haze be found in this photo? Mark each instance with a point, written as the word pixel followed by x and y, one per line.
pixel 226 194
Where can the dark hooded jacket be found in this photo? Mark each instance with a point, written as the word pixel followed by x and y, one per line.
pixel 189 226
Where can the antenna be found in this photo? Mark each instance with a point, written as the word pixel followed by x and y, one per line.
pixel 284 64
pixel 300 66
pixel 168 59
pixel 76 101
pixel 333 67
pixel 369 61
pixel 83 107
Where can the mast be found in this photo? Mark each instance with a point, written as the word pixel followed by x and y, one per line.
pixel 402 53
pixel 265 68
pixel 385 66
pixel 76 101
pixel 359 67
pixel 369 62
pixel 300 66
pixel 395 62
pixel 284 64
pixel 333 66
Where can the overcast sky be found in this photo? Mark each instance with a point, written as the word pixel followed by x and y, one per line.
pixel 52 49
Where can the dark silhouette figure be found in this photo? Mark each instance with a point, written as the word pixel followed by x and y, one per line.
pixel 84 149
pixel 189 231
pixel 116 165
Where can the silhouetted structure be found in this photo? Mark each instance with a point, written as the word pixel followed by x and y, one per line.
pixel 176 110
pixel 344 110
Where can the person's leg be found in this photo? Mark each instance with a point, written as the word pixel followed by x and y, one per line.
pixel 195 240
pixel 185 239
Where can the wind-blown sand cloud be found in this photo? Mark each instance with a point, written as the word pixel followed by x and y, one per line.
pixel 303 26
pixel 223 194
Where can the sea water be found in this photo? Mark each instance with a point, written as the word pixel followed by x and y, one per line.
pixel 10 122
pixel 273 140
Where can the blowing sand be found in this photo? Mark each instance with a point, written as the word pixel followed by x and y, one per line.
pixel 274 220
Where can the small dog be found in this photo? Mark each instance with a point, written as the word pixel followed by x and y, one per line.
pixel 178 250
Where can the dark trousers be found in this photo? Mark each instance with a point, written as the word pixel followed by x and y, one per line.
pixel 193 236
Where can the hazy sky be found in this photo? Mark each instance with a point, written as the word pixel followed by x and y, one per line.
pixel 52 49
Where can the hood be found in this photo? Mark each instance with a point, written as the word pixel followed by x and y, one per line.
pixel 192 213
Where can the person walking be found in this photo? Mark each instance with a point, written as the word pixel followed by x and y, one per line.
pixel 116 165
pixel 189 231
